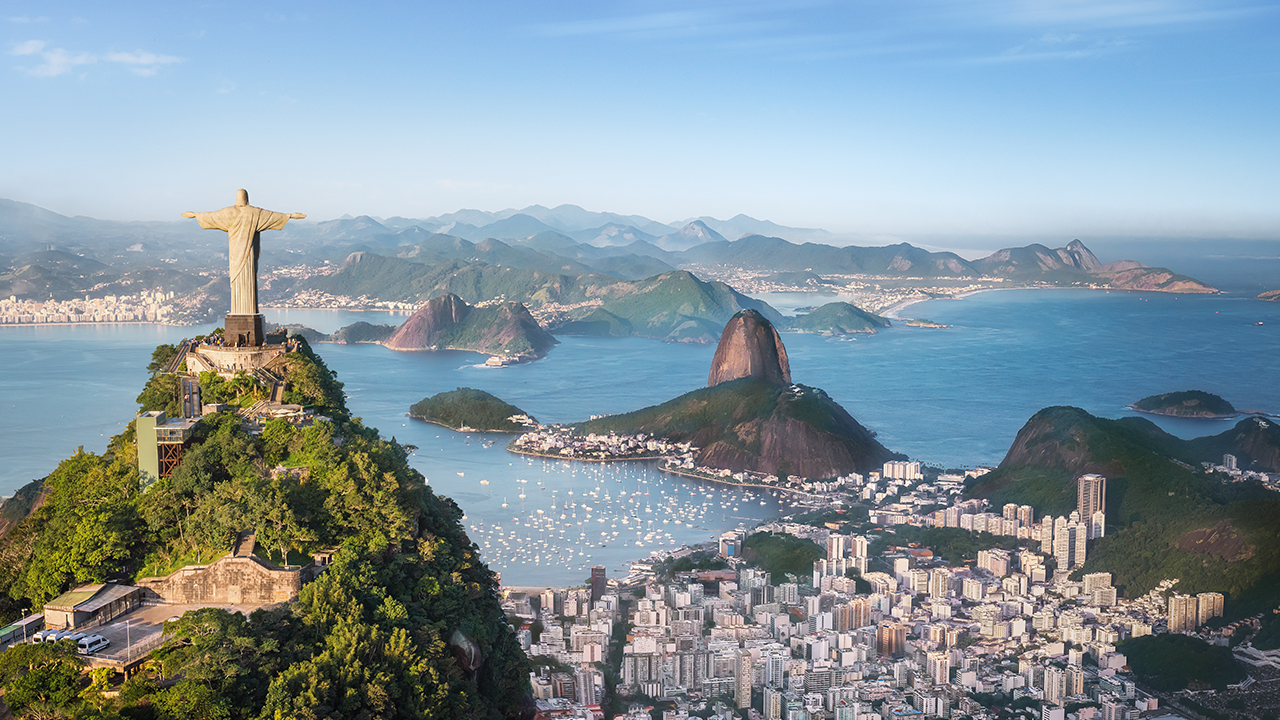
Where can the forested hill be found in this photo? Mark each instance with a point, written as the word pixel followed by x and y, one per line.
pixel 376 635
pixel 1165 518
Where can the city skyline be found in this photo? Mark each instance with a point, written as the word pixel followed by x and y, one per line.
pixel 1072 118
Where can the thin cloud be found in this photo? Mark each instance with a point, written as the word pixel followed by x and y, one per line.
pixel 57 61
pixel 1103 13
pixel 1054 46
pixel 142 62
pixel 60 61
pixel 30 47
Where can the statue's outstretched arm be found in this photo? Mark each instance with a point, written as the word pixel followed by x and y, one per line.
pixel 296 216
pixel 188 214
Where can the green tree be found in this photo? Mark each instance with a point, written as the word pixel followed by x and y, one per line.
pixel 162 392
pixel 39 673
pixel 191 700
pixel 86 528
pixel 161 357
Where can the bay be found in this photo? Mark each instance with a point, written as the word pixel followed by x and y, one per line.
pixel 953 397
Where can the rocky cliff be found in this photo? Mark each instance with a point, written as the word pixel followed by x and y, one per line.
pixel 449 323
pixel 752 424
pixel 1255 441
pixel 749 348
pixel 750 417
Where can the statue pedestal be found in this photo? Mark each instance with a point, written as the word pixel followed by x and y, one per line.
pixel 243 331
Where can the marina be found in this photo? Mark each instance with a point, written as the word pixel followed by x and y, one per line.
pixel 557 519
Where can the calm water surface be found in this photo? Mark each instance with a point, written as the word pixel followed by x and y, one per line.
pixel 954 397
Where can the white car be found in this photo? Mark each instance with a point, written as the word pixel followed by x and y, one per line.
pixel 91 644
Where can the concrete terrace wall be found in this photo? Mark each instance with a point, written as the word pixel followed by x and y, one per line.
pixel 235 580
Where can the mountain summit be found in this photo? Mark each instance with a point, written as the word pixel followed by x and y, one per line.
pixel 750 417
pixel 749 347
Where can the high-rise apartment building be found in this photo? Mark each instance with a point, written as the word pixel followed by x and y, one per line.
pixel 1091 495
pixel 891 639
pixel 1046 533
pixel 598 583
pixel 1055 685
pixel 1183 613
pixel 939 665
pixel 940 583
pixel 836 546
pixel 1026 515
pixel 1208 605
pixel 742 680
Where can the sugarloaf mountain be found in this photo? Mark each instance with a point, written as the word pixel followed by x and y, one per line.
pixel 752 417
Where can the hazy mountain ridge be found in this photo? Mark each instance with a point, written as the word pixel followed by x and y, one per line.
pixel 550 240
pixel 674 306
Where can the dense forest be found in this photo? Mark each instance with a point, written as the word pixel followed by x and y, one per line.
pixel 1173 662
pixel 406 622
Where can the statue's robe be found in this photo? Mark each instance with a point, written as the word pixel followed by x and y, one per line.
pixel 243 223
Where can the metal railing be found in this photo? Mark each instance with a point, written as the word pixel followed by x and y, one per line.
pixel 131 653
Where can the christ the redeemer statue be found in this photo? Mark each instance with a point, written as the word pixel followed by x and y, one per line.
pixel 243 224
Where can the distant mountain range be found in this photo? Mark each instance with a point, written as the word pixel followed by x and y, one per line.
pixel 565 240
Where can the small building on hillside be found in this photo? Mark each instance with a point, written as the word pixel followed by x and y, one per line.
pixel 91 605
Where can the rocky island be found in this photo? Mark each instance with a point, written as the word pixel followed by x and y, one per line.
pixel 468 409
pixel 503 329
pixel 449 323
pixel 1272 295
pixel 1186 404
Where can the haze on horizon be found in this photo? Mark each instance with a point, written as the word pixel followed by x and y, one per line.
pixel 940 118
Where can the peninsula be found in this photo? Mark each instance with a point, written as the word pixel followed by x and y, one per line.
pixel 751 422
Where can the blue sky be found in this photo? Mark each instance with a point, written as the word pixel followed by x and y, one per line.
pixel 1071 118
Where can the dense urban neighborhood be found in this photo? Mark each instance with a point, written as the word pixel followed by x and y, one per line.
pixel 800 620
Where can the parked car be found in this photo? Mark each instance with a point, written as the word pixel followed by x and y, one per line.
pixel 91 644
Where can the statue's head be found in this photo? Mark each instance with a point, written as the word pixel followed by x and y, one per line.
pixel 242 197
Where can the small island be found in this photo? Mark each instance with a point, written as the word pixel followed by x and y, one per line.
pixel 1186 404
pixel 839 318
pixel 471 410
pixel 1272 295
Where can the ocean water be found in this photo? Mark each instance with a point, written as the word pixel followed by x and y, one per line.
pixel 953 397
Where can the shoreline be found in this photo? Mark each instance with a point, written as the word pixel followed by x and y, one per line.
pixel 735 483
pixel 892 312
pixel 464 432
pixel 113 322
pixel 529 453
